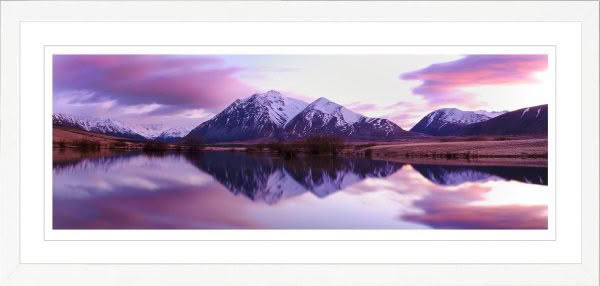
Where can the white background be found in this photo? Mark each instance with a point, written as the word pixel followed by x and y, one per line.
pixel 14 271
pixel 36 37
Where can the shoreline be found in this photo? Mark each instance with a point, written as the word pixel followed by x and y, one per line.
pixel 477 150
pixel 513 161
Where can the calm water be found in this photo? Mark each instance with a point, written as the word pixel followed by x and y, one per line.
pixel 238 190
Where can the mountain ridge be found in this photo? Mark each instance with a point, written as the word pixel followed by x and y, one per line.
pixel 325 117
pixel 446 121
pixel 273 116
pixel 261 115
pixel 117 128
pixel 531 120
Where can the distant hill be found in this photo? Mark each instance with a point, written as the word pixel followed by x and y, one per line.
pixel 447 121
pixel 526 121
pixel 115 128
pixel 454 122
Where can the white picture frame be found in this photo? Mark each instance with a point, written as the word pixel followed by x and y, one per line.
pixel 569 259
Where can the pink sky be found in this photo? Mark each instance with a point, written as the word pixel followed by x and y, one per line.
pixel 189 89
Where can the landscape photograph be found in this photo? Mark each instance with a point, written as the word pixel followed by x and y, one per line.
pixel 392 141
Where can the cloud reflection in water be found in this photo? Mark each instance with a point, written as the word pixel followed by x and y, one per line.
pixel 238 191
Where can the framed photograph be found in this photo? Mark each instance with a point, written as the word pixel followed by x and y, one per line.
pixel 317 143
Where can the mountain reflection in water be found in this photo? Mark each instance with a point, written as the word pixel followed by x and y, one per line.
pixel 270 178
pixel 139 190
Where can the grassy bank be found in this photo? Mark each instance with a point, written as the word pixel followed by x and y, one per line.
pixel 468 149
pixel 514 151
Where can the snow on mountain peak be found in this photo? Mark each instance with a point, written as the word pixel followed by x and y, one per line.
pixel 280 108
pixel 271 95
pixel 445 121
pixel 102 125
pixel 325 105
pixel 118 128
pixel 150 131
pixel 490 114
pixel 455 115
pixel 331 108
pixel 175 132
pixel 323 100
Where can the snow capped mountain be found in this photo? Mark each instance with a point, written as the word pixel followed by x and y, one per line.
pixel 454 115
pixel 66 121
pixel 261 115
pixel 103 126
pixel 333 110
pixel 454 122
pixel 173 134
pixel 281 109
pixel 490 114
pixel 272 116
pixel 447 121
pixel 324 117
pixel 149 131
pixel 117 128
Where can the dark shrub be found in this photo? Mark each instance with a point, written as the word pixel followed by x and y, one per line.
pixel 195 143
pixel 321 145
pixel 86 144
pixel 118 145
pixel 253 149
pixel 155 146
pixel 475 138
pixel 61 144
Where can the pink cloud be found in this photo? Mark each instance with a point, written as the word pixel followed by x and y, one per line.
pixel 480 217
pixel 442 83
pixel 457 208
pixel 172 207
pixel 176 82
pixel 454 210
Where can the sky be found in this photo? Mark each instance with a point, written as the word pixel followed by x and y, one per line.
pixel 186 90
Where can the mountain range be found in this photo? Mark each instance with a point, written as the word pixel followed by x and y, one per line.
pixel 455 122
pixel 272 116
pixel 446 121
pixel 117 128
pixel 324 117
pixel 258 116
pixel 525 121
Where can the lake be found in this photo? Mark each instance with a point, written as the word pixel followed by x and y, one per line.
pixel 234 190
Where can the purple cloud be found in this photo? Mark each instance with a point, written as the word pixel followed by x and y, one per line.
pixel 176 83
pixel 442 83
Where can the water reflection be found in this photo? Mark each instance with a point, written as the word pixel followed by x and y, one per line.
pixel 271 178
pixel 450 175
pixel 238 190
